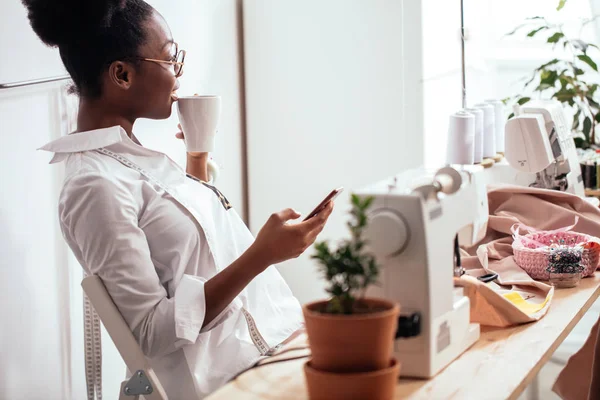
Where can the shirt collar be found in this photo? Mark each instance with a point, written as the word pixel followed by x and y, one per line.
pixel 85 141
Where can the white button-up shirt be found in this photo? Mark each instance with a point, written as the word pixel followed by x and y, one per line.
pixel 155 236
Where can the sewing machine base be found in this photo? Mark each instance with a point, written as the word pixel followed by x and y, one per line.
pixel 451 335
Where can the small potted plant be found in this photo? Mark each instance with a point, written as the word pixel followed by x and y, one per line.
pixel 351 337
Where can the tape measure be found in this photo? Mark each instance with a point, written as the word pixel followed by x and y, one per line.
pixel 258 340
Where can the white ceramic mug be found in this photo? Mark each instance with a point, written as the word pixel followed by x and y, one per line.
pixel 199 118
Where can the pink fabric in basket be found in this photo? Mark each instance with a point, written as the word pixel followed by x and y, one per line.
pixel 531 250
pixel 541 209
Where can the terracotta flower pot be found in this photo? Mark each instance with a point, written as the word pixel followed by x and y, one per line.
pixel 352 343
pixel 375 385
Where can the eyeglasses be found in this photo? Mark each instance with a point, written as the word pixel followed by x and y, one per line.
pixel 177 61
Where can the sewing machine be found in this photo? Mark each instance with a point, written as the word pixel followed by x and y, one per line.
pixel 413 223
pixel 540 147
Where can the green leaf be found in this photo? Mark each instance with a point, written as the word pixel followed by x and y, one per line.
pixel 587 128
pixel 592 102
pixel 561 4
pixel 579 44
pixel 576 120
pixel 566 79
pixel 580 143
pixel 523 100
pixel 556 37
pixel 597 117
pixel 563 82
pixel 565 95
pixel 511 115
pixel 530 80
pixel 548 79
pixel 535 31
pixel 543 66
pixel 586 59
pixel 515 30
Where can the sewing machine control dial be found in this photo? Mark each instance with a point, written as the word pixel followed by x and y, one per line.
pixel 387 233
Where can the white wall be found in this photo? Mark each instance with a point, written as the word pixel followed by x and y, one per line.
pixel 333 99
pixel 41 333
pixel 28 58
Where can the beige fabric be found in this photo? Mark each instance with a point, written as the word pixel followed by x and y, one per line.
pixel 580 379
pixel 544 210
pixel 490 307
pixel 540 209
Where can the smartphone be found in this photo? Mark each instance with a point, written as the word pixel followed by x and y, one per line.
pixel 334 193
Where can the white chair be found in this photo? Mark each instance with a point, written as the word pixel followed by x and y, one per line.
pixel 144 381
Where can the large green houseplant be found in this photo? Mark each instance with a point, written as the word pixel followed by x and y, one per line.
pixel 571 77
pixel 351 336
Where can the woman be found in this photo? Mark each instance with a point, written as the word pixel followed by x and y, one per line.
pixel 193 285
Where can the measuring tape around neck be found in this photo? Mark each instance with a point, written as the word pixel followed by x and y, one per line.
pixel 258 340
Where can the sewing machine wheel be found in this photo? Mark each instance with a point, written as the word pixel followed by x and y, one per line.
pixel 449 180
pixel 387 233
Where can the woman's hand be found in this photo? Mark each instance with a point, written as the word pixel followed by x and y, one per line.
pixel 197 163
pixel 179 135
pixel 279 241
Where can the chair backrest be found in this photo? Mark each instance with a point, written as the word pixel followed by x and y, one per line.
pixel 120 334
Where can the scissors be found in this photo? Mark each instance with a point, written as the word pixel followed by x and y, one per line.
pixel 487 278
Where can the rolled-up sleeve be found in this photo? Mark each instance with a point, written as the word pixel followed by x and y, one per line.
pixel 99 218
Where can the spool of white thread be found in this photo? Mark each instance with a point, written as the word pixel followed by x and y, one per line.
pixel 461 138
pixel 489 129
pixel 500 124
pixel 478 142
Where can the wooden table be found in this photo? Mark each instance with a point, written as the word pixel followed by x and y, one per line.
pixel 592 192
pixel 499 366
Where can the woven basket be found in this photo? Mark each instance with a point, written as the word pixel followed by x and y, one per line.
pixel 531 250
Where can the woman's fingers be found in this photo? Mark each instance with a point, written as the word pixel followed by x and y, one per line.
pixel 319 219
pixel 179 135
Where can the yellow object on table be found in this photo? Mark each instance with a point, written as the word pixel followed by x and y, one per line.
pixel 524 305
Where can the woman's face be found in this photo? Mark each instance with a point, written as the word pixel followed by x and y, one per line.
pixel 153 90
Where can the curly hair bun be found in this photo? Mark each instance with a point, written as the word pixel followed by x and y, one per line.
pixel 58 22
